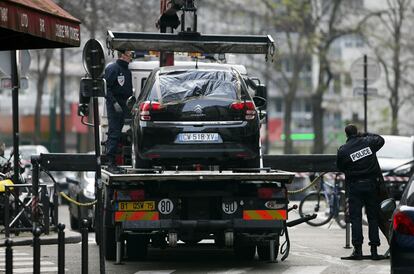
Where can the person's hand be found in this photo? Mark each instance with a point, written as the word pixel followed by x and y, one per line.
pixel 117 107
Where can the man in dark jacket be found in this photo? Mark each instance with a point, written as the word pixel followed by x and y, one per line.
pixel 357 159
pixel 119 88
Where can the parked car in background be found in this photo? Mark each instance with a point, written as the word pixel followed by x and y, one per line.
pixel 402 231
pixel 81 187
pixel 396 159
pixel 202 115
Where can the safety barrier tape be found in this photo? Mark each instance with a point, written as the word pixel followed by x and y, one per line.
pixel 69 199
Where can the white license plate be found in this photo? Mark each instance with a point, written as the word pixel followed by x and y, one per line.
pixel 198 138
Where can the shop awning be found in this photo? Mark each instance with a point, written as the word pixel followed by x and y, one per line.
pixel 35 24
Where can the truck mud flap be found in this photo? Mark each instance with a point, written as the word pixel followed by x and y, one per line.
pixel 301 220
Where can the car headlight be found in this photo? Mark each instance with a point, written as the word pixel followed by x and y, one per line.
pixel 402 170
pixel 89 193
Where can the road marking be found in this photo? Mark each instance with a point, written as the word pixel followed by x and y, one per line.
pixel 155 271
pixel 305 269
pixel 2 260
pixel 26 263
pixel 30 270
pixel 232 271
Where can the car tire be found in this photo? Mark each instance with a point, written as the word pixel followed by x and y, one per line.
pixel 137 247
pixel 252 163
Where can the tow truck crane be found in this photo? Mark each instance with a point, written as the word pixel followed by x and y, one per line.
pixel 246 209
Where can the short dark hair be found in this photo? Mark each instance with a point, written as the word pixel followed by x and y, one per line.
pixel 120 52
pixel 351 130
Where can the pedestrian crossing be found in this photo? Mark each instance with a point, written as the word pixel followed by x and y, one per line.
pixel 23 263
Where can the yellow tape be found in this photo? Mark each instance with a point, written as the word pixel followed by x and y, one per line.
pixel 306 187
pixel 76 202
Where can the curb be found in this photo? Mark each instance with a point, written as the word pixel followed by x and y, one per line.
pixel 70 238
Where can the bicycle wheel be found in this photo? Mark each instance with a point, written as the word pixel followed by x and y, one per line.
pixel 340 216
pixel 315 203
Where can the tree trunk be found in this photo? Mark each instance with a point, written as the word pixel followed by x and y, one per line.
pixel 287 126
pixel 42 76
pixel 317 119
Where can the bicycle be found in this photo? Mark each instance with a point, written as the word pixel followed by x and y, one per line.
pixel 327 202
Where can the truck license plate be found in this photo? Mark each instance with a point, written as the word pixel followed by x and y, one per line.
pixel 136 206
pixel 198 138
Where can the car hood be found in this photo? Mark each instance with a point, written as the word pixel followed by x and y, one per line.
pixel 387 164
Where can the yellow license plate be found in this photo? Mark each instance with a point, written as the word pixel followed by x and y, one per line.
pixel 136 206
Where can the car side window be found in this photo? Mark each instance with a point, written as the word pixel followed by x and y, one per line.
pixel 408 195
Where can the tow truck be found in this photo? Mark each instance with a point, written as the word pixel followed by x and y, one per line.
pixel 246 209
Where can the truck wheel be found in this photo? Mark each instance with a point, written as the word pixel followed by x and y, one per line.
pixel 110 243
pixel 263 251
pixel 137 247
pixel 244 252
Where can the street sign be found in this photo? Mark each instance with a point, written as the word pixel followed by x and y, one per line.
pixel 370 91
pixel 357 71
pixel 93 58
pixel 92 87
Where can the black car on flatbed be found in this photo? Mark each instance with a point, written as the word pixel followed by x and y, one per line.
pixel 198 115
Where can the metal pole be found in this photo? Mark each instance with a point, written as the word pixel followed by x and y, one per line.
pixel 84 231
pixel 9 256
pixel 98 185
pixel 15 107
pixel 62 101
pixel 35 189
pixel 36 250
pixel 365 93
pixel 347 221
pixel 6 200
pixel 61 248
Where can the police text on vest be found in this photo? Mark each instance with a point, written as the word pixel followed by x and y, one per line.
pixel 361 154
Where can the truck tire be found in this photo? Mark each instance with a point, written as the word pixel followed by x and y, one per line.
pixel 109 243
pixel 244 252
pixel 263 250
pixel 137 247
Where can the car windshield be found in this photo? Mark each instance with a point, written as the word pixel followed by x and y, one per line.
pixel 181 85
pixel 396 148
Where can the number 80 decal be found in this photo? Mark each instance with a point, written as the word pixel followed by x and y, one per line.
pixel 165 206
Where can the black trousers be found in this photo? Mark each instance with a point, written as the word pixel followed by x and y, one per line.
pixel 364 193
pixel 115 124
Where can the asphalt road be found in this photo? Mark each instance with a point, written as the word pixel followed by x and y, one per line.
pixel 313 251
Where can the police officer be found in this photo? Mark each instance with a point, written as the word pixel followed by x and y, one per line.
pixel 357 159
pixel 119 89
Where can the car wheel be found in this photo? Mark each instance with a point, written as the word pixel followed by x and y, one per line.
pixel 252 163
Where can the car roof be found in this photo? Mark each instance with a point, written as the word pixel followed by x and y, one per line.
pixel 398 138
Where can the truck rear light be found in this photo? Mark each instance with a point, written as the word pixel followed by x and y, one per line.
pixel 145 109
pixel 267 193
pixel 247 106
pixel 403 224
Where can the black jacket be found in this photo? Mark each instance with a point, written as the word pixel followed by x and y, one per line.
pixel 118 82
pixel 357 158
